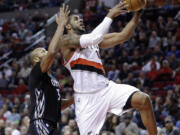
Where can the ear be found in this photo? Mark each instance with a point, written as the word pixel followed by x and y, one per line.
pixel 36 59
pixel 68 27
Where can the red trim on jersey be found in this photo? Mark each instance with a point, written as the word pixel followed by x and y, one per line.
pixel 88 63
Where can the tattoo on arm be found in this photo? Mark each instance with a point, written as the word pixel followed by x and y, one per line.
pixel 71 41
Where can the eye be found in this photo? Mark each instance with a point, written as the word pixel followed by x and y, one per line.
pixel 76 18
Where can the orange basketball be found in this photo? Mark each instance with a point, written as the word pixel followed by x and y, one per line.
pixel 135 5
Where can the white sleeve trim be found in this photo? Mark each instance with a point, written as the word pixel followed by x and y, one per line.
pixel 96 36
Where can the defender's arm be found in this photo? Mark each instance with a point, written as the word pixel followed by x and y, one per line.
pixel 54 44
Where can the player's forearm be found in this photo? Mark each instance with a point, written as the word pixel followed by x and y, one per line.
pixel 54 45
pixel 130 27
pixel 66 103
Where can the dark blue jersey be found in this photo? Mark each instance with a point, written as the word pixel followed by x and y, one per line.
pixel 45 96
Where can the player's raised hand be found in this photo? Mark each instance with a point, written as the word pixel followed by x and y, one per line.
pixel 118 9
pixel 63 16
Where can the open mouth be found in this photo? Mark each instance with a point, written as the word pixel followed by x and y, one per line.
pixel 82 25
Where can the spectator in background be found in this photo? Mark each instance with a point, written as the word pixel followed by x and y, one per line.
pixel 2 126
pixel 124 71
pixel 127 127
pixel 14 127
pixel 130 79
pixel 25 104
pixel 7 72
pixel 169 128
pixel 111 122
pixel 173 61
pixel 88 15
pixel 24 130
pixel 161 25
pixel 153 73
pixel 177 36
pixel 136 57
pixel 177 77
pixel 178 124
pixel 170 40
pixel 174 51
pixel 154 39
pixel 72 124
pixel 8 131
pixel 15 116
pixel 124 57
pixel 3 82
pixel 171 108
pixel 158 107
pixel 113 73
pixel 67 132
pixel 153 60
pixel 13 81
pixel 108 3
pixel 6 112
pixel 25 121
pixel 157 52
pixel 165 73
pixel 25 70
pixel 91 4
pixel 106 133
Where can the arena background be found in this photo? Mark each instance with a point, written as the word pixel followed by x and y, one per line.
pixel 150 60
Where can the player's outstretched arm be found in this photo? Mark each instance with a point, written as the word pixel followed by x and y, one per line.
pixel 96 36
pixel 54 46
pixel 113 39
pixel 66 103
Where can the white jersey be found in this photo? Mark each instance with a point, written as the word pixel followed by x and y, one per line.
pixel 86 70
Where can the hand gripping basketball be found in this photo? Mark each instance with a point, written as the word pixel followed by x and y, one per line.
pixel 135 5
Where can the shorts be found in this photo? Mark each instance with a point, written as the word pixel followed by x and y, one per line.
pixel 39 127
pixel 91 109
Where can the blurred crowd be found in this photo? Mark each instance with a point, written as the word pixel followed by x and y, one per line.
pixel 16 34
pixel 150 61
pixel 11 5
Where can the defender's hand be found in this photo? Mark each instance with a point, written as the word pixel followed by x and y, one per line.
pixel 118 9
pixel 63 15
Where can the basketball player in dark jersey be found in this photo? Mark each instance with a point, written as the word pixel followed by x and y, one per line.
pixel 46 101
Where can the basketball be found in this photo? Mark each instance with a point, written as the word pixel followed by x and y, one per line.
pixel 135 5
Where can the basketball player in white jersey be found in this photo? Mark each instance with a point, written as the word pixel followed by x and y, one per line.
pixel 94 94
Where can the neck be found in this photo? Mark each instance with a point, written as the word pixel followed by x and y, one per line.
pixel 77 32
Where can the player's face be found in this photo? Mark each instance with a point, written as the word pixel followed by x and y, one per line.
pixel 77 23
pixel 41 52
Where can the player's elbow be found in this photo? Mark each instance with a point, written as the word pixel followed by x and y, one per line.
pixel 121 38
